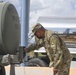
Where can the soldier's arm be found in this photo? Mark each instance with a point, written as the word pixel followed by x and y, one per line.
pixel 56 46
pixel 35 46
pixel 32 47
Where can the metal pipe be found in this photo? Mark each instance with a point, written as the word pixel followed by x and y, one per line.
pixel 24 22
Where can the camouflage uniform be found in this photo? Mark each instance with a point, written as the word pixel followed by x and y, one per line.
pixel 59 55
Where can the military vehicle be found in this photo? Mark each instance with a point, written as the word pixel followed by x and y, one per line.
pixel 10 52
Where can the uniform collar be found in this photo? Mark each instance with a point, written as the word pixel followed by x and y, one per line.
pixel 48 34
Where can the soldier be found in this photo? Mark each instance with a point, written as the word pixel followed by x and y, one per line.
pixel 59 55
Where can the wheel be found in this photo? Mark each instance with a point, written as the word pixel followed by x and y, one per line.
pixel 37 62
pixel 2 70
pixel 74 59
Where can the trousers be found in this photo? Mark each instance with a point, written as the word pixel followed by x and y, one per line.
pixel 64 69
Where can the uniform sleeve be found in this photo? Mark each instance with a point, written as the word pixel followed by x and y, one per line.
pixel 35 46
pixel 57 51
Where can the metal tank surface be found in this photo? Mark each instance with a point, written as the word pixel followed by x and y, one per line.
pixel 9 29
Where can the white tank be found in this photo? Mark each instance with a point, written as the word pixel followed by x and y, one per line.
pixel 9 29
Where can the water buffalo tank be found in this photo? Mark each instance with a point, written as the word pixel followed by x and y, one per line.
pixel 9 29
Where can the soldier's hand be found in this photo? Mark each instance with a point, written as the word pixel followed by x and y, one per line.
pixel 25 49
pixel 55 71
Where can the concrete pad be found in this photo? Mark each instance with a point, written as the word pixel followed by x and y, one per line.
pixel 35 71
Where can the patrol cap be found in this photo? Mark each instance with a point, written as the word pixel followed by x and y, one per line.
pixel 36 27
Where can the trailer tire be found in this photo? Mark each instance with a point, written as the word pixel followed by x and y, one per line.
pixel 37 62
pixel 2 70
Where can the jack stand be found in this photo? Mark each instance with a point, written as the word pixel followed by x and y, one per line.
pixel 12 69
